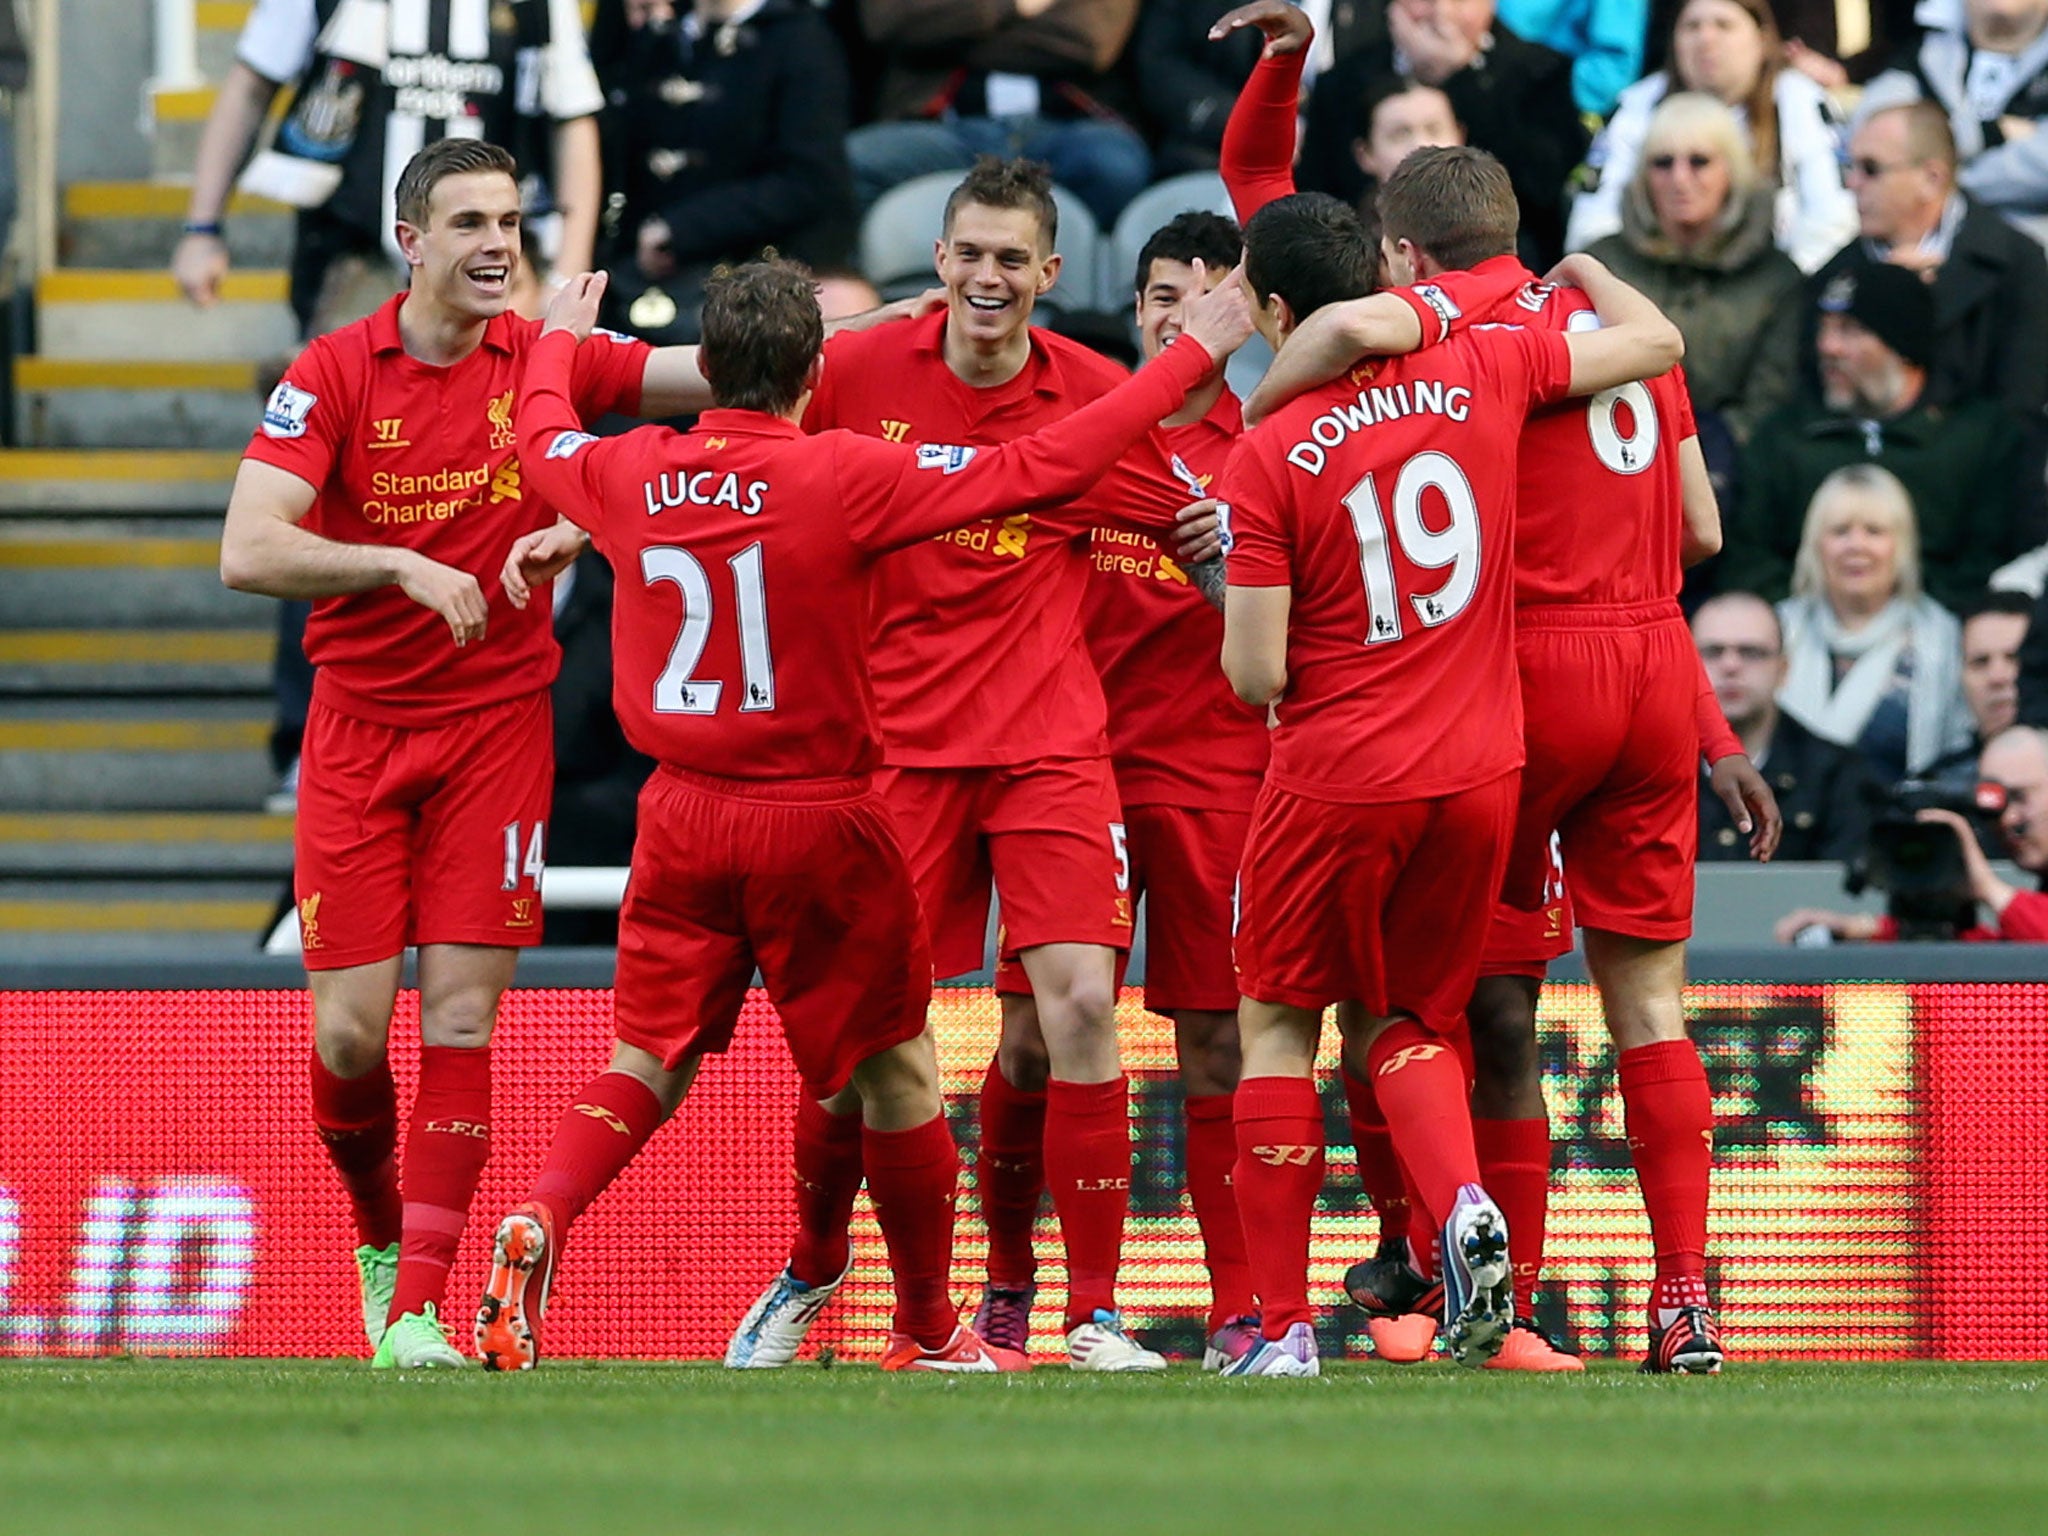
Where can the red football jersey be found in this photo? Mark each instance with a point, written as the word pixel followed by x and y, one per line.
pixel 976 642
pixel 1602 513
pixel 1386 501
pixel 744 548
pixel 1177 734
pixel 402 452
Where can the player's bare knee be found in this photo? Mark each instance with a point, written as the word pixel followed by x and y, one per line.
pixel 1502 1018
pixel 899 1087
pixel 462 1021
pixel 1210 1054
pixel 349 1045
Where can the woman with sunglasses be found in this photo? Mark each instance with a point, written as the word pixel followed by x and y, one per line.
pixel 1731 50
pixel 1696 226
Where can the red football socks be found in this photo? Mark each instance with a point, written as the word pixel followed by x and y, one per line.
pixel 598 1134
pixel 447 1143
pixel 357 1118
pixel 1088 1168
pixel 1379 1170
pixel 1009 1174
pixel 1514 1165
pixel 1420 1085
pixel 828 1174
pixel 1211 1150
pixel 914 1177
pixel 1279 1173
pixel 1669 1112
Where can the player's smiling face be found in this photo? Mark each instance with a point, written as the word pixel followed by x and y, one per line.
pixel 468 253
pixel 1162 307
pixel 994 266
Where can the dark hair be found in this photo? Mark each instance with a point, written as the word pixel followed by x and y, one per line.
pixel 1311 250
pixel 994 183
pixel 2000 601
pixel 1454 202
pixel 1209 238
pixel 761 329
pixel 439 160
pixel 1382 89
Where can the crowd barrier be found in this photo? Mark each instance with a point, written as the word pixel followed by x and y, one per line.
pixel 1882 1146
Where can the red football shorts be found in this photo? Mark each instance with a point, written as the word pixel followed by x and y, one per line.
pixel 421 834
pixel 1522 943
pixel 1389 904
pixel 1609 698
pixel 1184 866
pixel 803 880
pixel 1049 834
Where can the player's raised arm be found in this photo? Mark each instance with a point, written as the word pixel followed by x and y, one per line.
pixel 1634 341
pixel 1328 342
pixel 1058 462
pixel 1257 160
pixel 563 461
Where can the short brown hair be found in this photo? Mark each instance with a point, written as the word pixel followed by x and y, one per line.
pixel 1456 203
pixel 1929 134
pixel 761 329
pixel 995 183
pixel 438 161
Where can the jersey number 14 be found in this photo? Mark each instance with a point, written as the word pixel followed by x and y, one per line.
pixel 678 691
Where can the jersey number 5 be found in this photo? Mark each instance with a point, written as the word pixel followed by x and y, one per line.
pixel 677 691
pixel 1455 546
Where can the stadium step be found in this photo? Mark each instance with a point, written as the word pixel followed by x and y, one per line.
pixel 178 754
pixel 84 662
pixel 96 403
pixel 139 574
pixel 136 224
pixel 145 845
pixel 110 314
pixel 60 482
pixel 33 913
pixel 180 118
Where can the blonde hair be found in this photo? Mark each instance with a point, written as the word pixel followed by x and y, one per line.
pixel 1693 117
pixel 1880 486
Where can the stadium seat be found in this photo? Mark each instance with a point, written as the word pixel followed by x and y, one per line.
pixel 1201 191
pixel 896 241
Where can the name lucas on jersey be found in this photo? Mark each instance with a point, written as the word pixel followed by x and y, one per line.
pixel 1375 404
pixel 705 488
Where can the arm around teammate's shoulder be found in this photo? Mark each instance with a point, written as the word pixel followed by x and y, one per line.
pixel 1635 339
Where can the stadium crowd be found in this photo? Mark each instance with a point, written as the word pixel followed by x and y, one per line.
pixel 1868 412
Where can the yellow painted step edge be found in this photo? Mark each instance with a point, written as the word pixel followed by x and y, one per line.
pixel 109 285
pixel 143 916
pixel 150 464
pixel 149 200
pixel 221 15
pixel 62 554
pixel 132 735
pixel 100 373
pixel 145 827
pixel 193 106
pixel 140 647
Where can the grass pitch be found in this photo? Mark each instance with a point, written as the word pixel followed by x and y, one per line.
pixel 324 1446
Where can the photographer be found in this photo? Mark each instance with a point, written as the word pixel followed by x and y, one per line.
pixel 2015 763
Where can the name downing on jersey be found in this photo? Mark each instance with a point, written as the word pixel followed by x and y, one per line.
pixel 1374 405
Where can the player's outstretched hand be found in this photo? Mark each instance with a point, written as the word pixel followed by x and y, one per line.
pixel 1287 27
pixel 1750 804
pixel 574 307
pixel 452 594
pixel 1220 319
pixel 1195 533
pixel 540 556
